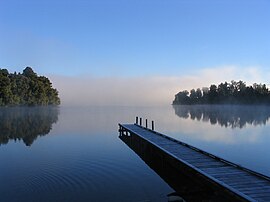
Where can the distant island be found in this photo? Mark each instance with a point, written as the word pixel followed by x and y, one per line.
pixel 26 89
pixel 225 93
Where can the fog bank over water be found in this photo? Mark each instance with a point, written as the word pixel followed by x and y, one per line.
pixel 88 90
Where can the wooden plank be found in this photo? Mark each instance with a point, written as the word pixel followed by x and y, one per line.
pixel 191 157
pixel 183 152
pixel 198 158
pixel 247 184
pixel 263 198
pixel 239 185
pixel 266 199
pixel 190 154
pixel 235 176
pixel 166 142
pixel 202 162
pixel 228 173
pixel 204 165
pixel 242 176
pixel 205 161
pixel 234 181
pixel 169 145
pixel 256 188
pixel 221 171
pixel 256 193
pixel 228 169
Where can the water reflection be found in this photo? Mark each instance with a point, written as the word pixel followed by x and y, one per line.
pixel 225 115
pixel 26 123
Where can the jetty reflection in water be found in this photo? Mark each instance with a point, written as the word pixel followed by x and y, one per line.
pixel 187 186
pixel 233 116
pixel 26 123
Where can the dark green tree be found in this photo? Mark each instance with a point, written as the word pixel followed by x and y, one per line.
pixel 198 93
pixel 213 94
pixel 28 72
pixel 236 92
pixel 26 89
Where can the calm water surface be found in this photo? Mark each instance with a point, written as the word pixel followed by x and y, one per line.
pixel 74 154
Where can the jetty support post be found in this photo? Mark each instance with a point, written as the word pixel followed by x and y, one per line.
pixel 140 121
pixel 153 125
pixel 146 125
pixel 121 130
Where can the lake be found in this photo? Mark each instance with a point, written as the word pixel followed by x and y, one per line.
pixel 75 154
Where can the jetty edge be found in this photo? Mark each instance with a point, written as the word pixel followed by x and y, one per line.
pixel 222 176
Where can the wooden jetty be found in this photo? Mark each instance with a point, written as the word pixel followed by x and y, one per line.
pixel 229 180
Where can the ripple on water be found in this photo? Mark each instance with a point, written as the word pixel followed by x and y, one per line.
pixel 79 177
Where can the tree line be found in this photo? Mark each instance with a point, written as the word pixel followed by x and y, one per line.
pixel 225 93
pixel 26 88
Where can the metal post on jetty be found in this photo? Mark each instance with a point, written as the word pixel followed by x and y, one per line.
pixel 140 123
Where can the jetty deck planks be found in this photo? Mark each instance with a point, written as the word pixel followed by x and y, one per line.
pixel 243 182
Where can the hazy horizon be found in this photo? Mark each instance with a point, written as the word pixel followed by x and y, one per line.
pixel 144 91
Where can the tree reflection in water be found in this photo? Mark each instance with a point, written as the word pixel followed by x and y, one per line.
pixel 26 123
pixel 232 116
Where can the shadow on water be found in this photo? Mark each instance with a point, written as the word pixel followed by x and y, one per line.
pixel 225 115
pixel 26 123
pixel 187 185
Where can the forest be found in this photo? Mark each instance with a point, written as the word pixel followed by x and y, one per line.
pixel 225 93
pixel 27 88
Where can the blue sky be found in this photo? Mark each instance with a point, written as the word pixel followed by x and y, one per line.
pixel 134 38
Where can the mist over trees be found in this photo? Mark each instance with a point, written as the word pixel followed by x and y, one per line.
pixel 26 89
pixel 225 93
